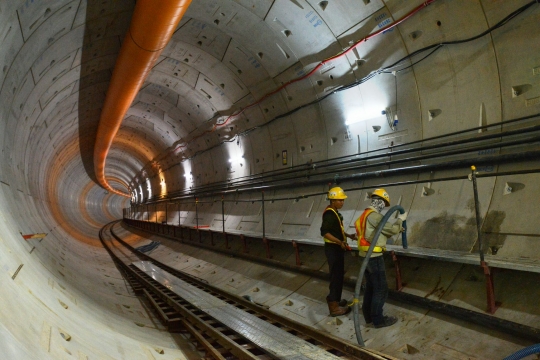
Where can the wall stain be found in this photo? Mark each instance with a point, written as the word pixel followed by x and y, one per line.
pixel 491 237
pixel 445 231
pixel 470 205
pixel 458 233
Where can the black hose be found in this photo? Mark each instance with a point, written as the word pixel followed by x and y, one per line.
pixel 356 315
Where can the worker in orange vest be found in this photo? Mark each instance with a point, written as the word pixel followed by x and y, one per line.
pixel 335 246
pixel 376 286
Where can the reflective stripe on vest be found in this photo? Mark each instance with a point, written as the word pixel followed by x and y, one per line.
pixel 340 224
pixel 360 225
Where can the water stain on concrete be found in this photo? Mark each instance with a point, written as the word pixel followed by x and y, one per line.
pixel 470 205
pixel 492 240
pixel 458 233
pixel 445 231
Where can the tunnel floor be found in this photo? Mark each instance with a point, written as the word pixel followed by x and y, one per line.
pixel 419 333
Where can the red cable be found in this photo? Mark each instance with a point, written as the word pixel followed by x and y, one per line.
pixel 321 64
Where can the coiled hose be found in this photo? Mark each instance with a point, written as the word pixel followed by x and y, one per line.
pixel 533 349
pixel 356 315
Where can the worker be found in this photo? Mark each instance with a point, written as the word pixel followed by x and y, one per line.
pixel 376 290
pixel 335 246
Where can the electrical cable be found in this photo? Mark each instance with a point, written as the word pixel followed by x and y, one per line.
pixel 422 59
pixel 502 22
pixel 337 56
pixel 368 77
pixel 354 158
pixel 435 47
pixel 311 72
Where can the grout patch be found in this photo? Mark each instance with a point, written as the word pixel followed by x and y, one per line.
pixel 45 340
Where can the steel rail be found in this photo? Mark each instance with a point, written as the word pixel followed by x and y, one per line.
pixel 237 348
pixel 484 320
pixel 150 288
pixel 326 341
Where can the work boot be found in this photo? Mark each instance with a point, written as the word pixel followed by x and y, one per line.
pixel 343 302
pixel 387 321
pixel 336 310
pixel 367 316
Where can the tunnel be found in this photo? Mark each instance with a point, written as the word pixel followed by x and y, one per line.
pixel 206 135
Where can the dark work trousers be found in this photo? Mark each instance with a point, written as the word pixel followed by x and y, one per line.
pixel 376 291
pixel 335 256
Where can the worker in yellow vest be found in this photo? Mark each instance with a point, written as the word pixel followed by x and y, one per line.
pixel 335 246
pixel 376 286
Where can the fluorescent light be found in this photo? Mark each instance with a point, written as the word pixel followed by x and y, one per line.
pixel 361 115
pixel 237 159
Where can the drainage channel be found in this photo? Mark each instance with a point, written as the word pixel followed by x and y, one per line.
pixel 207 315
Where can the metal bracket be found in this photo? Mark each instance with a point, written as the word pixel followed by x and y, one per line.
pixel 297 252
pixel 492 305
pixel 399 283
pixel 267 245
pixel 226 240
pixel 244 242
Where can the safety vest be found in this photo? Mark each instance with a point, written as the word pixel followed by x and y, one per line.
pixel 360 225
pixel 340 224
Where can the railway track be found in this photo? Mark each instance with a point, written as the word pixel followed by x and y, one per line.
pixel 212 335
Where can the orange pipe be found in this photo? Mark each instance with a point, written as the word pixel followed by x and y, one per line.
pixel 152 26
pixel 117 180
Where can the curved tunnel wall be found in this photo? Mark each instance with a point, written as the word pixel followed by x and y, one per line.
pixel 459 87
pixel 56 61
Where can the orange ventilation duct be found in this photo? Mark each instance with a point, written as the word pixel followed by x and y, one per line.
pixel 152 26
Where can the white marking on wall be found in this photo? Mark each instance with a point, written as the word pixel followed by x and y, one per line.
pixel 533 101
pixel 393 135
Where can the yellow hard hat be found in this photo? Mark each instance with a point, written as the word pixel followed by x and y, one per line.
pixel 383 195
pixel 336 193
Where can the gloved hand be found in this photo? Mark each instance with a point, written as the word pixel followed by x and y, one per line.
pixel 403 216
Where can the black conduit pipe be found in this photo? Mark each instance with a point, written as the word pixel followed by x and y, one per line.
pixel 477 213
pixel 394 152
pixel 307 168
pixel 486 160
pixel 356 314
pixel 517 142
pixel 351 158
pixel 335 162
